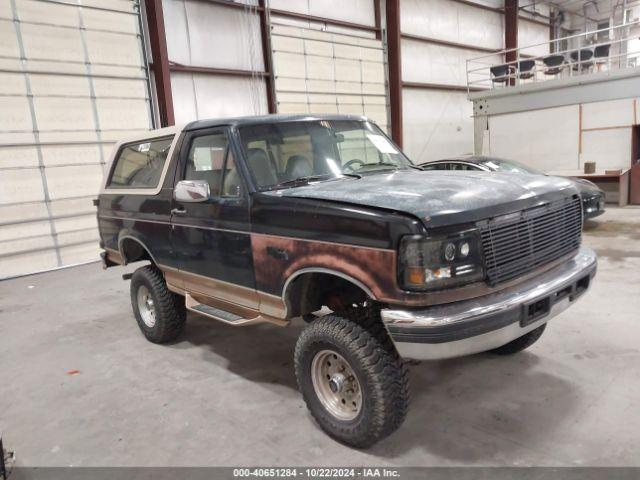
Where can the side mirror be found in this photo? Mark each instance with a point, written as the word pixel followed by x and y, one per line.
pixel 191 191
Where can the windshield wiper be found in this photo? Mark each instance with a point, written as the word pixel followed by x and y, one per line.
pixel 314 178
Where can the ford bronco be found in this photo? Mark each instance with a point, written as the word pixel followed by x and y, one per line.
pixel 266 219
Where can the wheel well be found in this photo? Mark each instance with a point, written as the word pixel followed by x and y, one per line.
pixel 133 251
pixel 309 292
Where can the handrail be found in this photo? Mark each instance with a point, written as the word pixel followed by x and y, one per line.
pixel 480 67
pixel 549 42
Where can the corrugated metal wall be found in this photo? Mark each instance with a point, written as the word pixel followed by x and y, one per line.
pixel 202 34
pixel 323 72
pixel 437 119
pixel 72 81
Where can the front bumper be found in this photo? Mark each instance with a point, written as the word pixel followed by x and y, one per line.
pixel 483 323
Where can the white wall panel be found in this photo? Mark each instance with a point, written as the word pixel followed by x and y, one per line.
pixel 530 33
pixel 545 139
pixel 610 149
pixel 15 114
pixel 428 63
pixel 110 113
pixel 55 155
pixel 198 96
pixel 53 113
pixel 18 156
pixel 83 82
pixel 323 72
pixel 310 24
pixel 355 11
pixel 8 43
pixel 196 30
pixel 437 124
pixel 115 48
pixel 199 28
pixel 39 39
pixel 184 97
pixel 20 185
pixel 36 11
pixel 614 113
pixel 14 264
pixel 453 22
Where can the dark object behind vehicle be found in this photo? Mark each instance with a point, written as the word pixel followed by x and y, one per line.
pixel 592 196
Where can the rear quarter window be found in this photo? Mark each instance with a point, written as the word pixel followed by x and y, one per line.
pixel 140 164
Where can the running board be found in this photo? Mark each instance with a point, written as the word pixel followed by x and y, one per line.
pixel 227 317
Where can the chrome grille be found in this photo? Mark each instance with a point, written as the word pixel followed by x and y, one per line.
pixel 515 245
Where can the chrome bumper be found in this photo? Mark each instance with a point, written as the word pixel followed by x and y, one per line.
pixel 483 323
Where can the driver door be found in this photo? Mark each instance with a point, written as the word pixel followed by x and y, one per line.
pixel 211 238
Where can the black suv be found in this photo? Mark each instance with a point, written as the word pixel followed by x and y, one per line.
pixel 266 219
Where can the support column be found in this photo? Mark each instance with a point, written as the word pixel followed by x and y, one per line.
pixel 480 127
pixel 265 31
pixel 158 41
pixel 378 22
pixel 395 68
pixel 511 28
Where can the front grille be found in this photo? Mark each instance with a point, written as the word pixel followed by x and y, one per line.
pixel 517 244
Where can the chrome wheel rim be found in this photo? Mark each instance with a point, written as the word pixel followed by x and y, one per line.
pixel 146 307
pixel 336 385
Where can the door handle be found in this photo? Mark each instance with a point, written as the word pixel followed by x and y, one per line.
pixel 178 211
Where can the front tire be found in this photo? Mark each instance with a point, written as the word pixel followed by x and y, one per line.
pixel 354 384
pixel 160 313
pixel 520 343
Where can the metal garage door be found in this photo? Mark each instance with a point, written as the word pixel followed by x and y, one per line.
pixel 72 81
pixel 323 72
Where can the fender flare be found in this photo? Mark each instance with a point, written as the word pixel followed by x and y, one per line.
pixel 125 236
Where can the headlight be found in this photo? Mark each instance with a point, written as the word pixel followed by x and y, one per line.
pixel 429 263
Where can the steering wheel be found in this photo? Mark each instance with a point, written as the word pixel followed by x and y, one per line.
pixel 349 167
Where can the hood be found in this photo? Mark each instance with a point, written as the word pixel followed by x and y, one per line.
pixel 585 186
pixel 440 198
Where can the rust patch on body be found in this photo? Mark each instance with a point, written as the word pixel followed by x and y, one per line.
pixel 277 258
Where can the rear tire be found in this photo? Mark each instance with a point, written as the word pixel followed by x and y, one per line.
pixel 521 343
pixel 160 313
pixel 371 393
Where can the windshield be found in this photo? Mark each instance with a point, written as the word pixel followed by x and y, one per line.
pixel 292 153
pixel 501 165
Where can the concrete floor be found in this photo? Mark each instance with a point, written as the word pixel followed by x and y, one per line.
pixel 227 396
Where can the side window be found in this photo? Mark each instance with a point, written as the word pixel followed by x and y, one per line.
pixel 206 159
pixel 231 184
pixel 140 165
pixel 463 166
pixel 435 166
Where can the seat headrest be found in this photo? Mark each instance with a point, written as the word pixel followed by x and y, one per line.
pixel 298 166
pixel 261 167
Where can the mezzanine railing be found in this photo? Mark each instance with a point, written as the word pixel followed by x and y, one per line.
pixel 620 51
